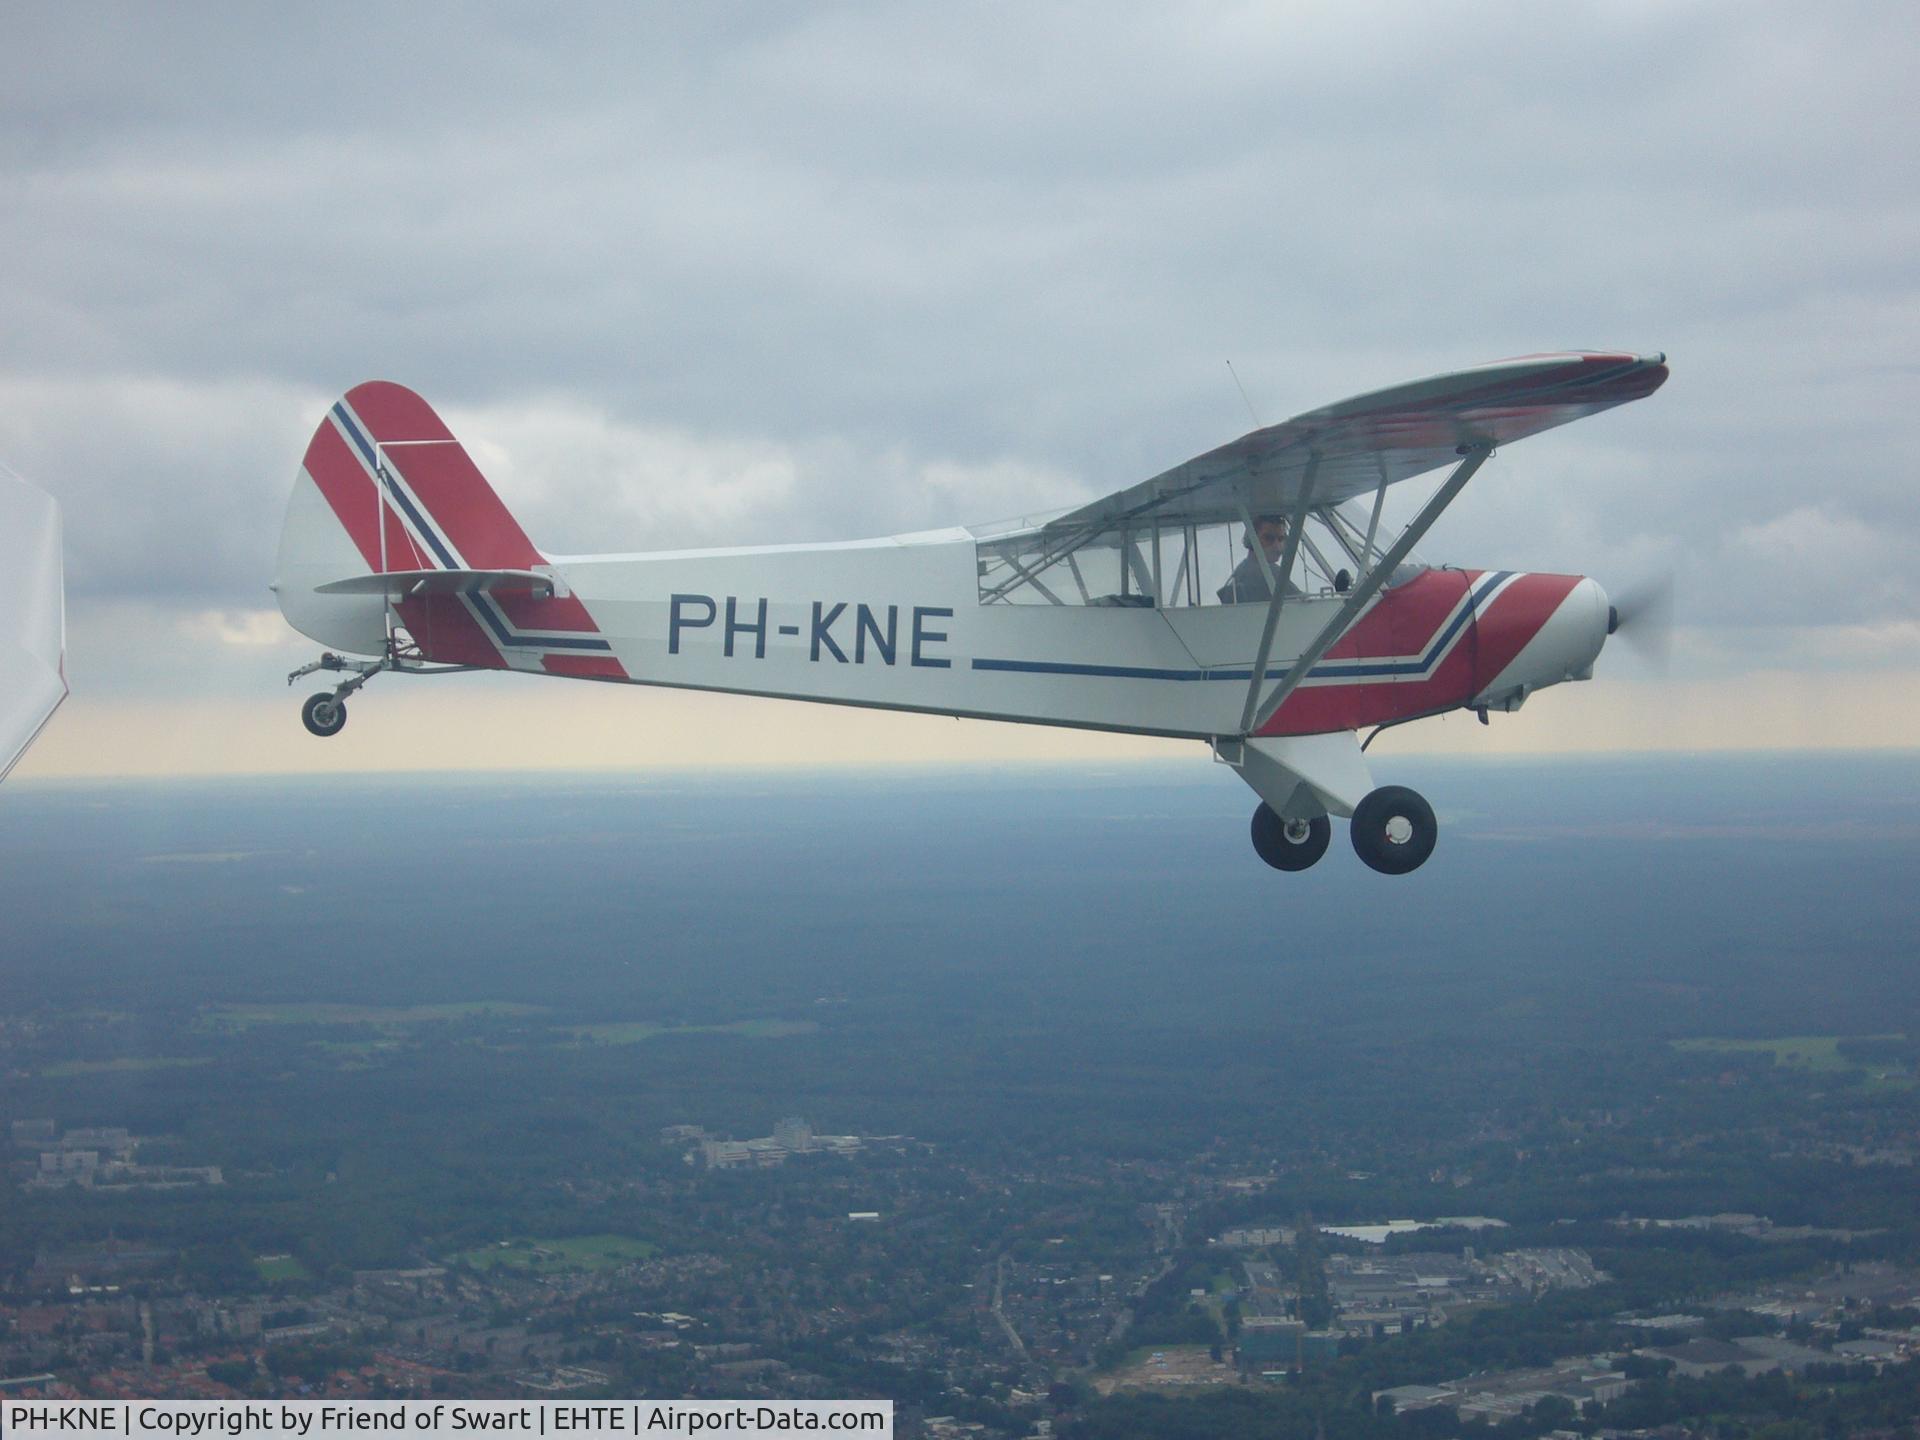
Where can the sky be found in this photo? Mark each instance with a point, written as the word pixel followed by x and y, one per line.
pixel 748 273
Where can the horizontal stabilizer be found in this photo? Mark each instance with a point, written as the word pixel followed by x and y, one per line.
pixel 402 584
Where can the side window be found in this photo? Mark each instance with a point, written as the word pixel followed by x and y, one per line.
pixel 1210 561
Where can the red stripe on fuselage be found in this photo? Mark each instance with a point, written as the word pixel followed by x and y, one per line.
pixel 1515 617
pixel 584 667
pixel 527 613
pixel 1488 643
pixel 447 633
pixel 1405 619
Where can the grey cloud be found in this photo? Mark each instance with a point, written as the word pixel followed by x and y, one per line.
pixel 173 492
pixel 879 241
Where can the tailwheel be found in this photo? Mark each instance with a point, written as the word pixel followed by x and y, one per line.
pixel 1394 830
pixel 324 714
pixel 1289 844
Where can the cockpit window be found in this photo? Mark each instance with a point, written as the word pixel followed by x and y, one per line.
pixel 1037 561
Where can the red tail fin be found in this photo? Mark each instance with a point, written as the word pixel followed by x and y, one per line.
pixel 441 498
pixel 386 471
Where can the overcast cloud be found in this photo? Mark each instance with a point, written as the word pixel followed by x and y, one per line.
pixel 748 273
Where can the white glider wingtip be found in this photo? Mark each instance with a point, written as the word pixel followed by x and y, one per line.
pixel 33 623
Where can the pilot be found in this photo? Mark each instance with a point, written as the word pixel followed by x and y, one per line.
pixel 1248 583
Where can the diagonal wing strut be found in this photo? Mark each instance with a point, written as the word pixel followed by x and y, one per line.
pixel 1259 711
pixel 1277 583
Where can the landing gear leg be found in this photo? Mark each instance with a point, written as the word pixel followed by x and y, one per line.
pixel 1394 830
pixel 325 714
pixel 1289 844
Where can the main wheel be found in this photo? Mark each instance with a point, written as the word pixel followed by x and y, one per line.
pixel 323 715
pixel 1394 830
pixel 1289 844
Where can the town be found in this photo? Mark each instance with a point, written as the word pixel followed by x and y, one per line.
pixel 998 1332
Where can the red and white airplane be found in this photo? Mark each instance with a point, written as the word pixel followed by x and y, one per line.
pixel 1248 599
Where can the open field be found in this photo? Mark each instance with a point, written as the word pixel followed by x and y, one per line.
pixel 632 1032
pixel 125 1062
pixel 1806 1052
pixel 280 1267
pixel 574 1252
pixel 1169 1367
pixel 241 1017
pixel 400 1017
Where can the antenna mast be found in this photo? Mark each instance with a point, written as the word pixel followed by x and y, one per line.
pixel 1243 394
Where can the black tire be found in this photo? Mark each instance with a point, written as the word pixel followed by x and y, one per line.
pixel 1280 850
pixel 323 715
pixel 1394 830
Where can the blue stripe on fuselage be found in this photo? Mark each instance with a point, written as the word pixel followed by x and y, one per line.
pixel 1337 669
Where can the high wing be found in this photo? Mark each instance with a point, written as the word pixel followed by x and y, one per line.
pixel 1355 447
pixel 33 632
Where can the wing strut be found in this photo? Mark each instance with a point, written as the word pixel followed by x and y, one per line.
pixel 1373 524
pixel 1277 578
pixel 1252 719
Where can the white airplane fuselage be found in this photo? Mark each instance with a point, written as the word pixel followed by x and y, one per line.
pixel 898 624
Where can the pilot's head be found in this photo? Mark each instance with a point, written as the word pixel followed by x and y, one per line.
pixel 1271 532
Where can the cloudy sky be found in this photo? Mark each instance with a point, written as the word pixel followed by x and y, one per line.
pixel 744 273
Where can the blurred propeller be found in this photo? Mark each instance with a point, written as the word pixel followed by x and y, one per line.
pixel 1642 615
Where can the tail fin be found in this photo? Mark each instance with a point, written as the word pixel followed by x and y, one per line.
pixel 385 487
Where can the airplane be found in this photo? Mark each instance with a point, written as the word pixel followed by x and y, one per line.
pixel 1161 609
pixel 33 636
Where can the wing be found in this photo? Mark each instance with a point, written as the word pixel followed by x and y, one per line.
pixel 1381 438
pixel 33 626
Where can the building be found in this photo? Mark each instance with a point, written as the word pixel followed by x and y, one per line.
pixel 116 1140
pixel 1255 1237
pixel 1269 1343
pixel 89 1168
pixel 1415 1397
pixel 105 1260
pixel 1320 1347
pixel 794 1133
pixel 1511 1393
pixel 792 1136
pixel 1750 1354
pixel 1676 1327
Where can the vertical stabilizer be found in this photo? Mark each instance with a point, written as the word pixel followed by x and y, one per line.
pixel 385 487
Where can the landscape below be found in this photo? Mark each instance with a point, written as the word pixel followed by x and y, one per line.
pixel 1026 1098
